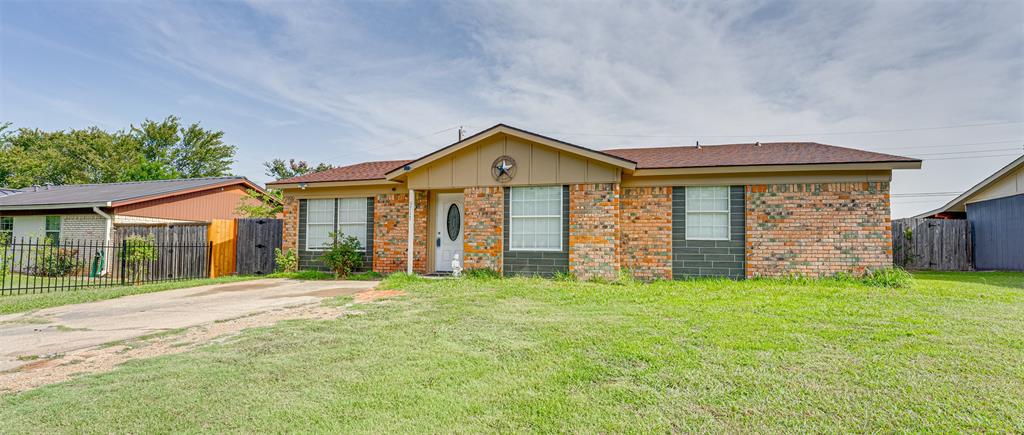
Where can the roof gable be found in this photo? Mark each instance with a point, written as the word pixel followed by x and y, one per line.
pixel 500 129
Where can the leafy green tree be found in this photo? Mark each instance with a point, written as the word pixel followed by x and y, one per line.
pixel 152 151
pixel 257 204
pixel 279 169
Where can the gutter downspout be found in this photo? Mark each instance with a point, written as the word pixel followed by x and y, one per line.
pixel 408 251
pixel 106 238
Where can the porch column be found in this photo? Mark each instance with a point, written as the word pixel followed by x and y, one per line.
pixel 409 238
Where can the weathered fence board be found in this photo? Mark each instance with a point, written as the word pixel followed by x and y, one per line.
pixel 222 237
pixel 180 249
pixel 933 244
pixel 255 243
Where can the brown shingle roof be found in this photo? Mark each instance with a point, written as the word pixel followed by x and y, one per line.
pixel 745 154
pixel 749 154
pixel 356 172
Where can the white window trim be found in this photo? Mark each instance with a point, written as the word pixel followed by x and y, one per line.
pixel 364 223
pixel 727 212
pixel 335 221
pixel 561 212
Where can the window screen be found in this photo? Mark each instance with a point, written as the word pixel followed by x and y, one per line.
pixel 535 217
pixel 707 213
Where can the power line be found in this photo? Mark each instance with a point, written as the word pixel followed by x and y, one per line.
pixel 957 144
pixel 971 151
pixel 835 133
pixel 973 157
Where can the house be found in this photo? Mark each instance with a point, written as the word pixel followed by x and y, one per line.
pixel 995 209
pixel 518 202
pixel 93 212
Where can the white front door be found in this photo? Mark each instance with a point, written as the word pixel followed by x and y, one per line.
pixel 448 237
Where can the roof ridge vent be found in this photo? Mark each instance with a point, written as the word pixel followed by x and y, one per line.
pixel 757 143
pixel 698 145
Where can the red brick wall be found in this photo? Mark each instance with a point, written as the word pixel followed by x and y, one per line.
pixel 817 229
pixel 391 228
pixel 482 241
pixel 594 230
pixel 646 227
pixel 290 216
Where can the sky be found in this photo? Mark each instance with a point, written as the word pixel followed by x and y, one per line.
pixel 344 82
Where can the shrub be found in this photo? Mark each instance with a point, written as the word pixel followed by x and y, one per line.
pixel 286 261
pixel 139 252
pixel 56 261
pixel 343 255
pixel 889 277
pixel 564 276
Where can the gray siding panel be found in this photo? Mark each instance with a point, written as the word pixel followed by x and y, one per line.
pixel 542 263
pixel 708 258
pixel 998 232
pixel 310 260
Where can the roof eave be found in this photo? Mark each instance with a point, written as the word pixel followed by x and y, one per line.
pixel 152 197
pixel 780 168
pixel 328 183
pixel 54 206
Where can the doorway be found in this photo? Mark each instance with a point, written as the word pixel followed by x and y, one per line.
pixel 448 225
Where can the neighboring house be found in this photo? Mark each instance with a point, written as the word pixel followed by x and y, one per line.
pixel 92 212
pixel 995 209
pixel 520 203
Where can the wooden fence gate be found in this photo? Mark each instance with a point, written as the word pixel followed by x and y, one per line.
pixel 933 244
pixel 255 243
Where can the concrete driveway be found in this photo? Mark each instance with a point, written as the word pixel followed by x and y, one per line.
pixel 60 330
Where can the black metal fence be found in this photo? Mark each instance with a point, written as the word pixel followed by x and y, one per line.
pixel 34 265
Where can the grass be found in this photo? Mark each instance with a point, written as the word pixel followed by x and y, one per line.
pixel 20 303
pixel 945 354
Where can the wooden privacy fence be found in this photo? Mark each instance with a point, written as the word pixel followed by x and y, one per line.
pixel 244 246
pixel 256 241
pixel 933 244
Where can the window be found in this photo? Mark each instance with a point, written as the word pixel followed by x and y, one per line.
pixel 707 213
pixel 535 217
pixel 53 229
pixel 6 229
pixel 321 215
pixel 319 223
pixel 352 219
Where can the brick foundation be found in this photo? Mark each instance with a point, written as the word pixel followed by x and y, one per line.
pixel 391 228
pixel 646 228
pixel 483 231
pixel 817 229
pixel 594 230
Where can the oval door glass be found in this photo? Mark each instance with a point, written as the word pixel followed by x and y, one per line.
pixel 454 222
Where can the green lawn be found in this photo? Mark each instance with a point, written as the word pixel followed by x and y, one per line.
pixel 530 355
pixel 28 302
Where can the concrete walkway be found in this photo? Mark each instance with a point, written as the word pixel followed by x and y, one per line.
pixel 58 330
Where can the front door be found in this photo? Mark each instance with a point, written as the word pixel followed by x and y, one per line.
pixel 448 240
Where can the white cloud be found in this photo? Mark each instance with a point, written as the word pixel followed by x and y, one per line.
pixel 638 67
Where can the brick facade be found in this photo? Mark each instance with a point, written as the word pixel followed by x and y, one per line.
pixel 482 228
pixel 646 228
pixel 290 216
pixel 391 228
pixel 594 230
pixel 83 227
pixel 817 229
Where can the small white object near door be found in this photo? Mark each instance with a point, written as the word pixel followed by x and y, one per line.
pixel 448 226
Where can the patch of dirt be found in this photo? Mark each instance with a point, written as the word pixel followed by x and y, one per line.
pixel 324 293
pixel 239 287
pixel 371 295
pixel 104 358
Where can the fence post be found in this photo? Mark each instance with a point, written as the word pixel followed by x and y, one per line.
pixel 124 251
pixel 209 260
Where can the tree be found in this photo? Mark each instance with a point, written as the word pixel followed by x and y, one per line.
pixel 257 204
pixel 152 151
pixel 279 169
